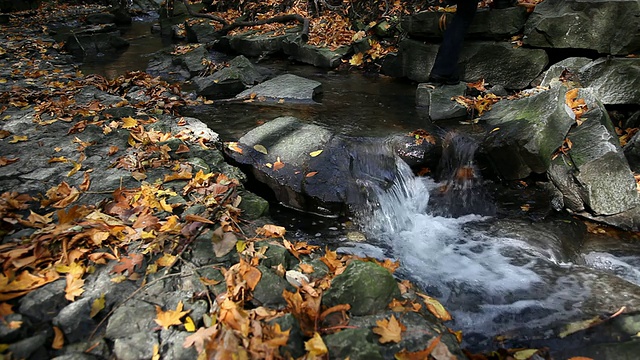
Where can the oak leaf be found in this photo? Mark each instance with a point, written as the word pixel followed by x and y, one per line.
pixel 170 317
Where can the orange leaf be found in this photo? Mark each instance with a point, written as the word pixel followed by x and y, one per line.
pixel 128 263
pixel 235 147
pixel 6 161
pixel 313 173
pixel 170 317
pixel 278 164
pixel 435 307
pixel 5 309
pixel 389 330
pixel 73 288
pixel 269 230
pixel 418 355
pixel 58 339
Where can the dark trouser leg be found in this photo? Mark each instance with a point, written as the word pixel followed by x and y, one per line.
pixel 447 59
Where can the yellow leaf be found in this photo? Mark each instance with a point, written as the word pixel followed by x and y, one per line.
pixel 97 305
pixel 525 354
pixel 18 138
pixel 170 317
pixel 58 339
pixel 75 269
pixel 156 352
pixel 129 122
pixel 356 59
pixel 241 246
pixel 118 279
pixel 389 330
pixel 315 346
pixel 76 167
pixel 58 159
pixel 315 153
pixel 189 325
pixel 260 148
pixel 166 260
pixel 435 307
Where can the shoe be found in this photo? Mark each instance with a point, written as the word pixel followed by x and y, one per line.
pixel 443 80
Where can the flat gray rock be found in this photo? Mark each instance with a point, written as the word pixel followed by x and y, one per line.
pixel 287 87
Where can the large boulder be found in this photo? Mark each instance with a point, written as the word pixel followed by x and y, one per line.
pixel 497 23
pixel 95 40
pixel 552 76
pixel 297 49
pixel 594 175
pixel 256 44
pixel 231 80
pixel 614 81
pixel 609 27
pixel 498 63
pixel 523 134
pixel 309 168
pixel 439 101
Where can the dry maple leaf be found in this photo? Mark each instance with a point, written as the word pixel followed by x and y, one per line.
pixel 73 288
pixel 389 330
pixel 270 230
pixel 200 338
pixel 170 317
pixel 435 307
pixel 128 263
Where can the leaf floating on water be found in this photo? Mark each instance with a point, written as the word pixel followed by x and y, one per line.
pixel 315 153
pixel 261 149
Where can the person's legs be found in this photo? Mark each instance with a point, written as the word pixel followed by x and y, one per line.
pixel 445 66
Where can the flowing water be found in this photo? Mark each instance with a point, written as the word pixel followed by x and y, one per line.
pixel 496 274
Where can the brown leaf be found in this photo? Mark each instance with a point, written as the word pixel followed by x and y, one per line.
pixel 223 242
pixel 128 263
pixel 200 338
pixel 58 339
pixel 278 164
pixel 418 355
pixel 389 330
pixel 6 161
pixel 270 230
pixel 73 288
pixel 182 148
pixel 170 317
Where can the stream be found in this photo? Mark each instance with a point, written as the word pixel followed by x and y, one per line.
pixel 497 275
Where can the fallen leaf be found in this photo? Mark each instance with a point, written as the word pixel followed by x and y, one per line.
pixel 270 230
pixel 356 59
pixel 129 122
pixel 128 263
pixel 278 164
pixel 73 288
pixel 315 346
pixel 170 317
pixel 315 153
pixel 259 148
pixel 524 354
pixel 97 305
pixel 5 309
pixel 18 138
pixel 418 355
pixel 200 338
pixel 6 161
pixel 166 260
pixel 58 339
pixel 234 147
pixel 435 307
pixel 311 174
pixel 389 330
pixel 189 325
pixel 156 352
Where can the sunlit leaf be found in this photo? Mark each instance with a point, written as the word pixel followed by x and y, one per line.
pixel 189 325
pixel 315 346
pixel 389 330
pixel 356 59
pixel 435 307
pixel 315 153
pixel 524 354
pixel 129 122
pixel 97 305
pixel 260 148
pixel 18 138
pixel 170 317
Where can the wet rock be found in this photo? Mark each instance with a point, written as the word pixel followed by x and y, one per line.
pixel 354 344
pixel 74 320
pixel 551 77
pixel 252 206
pixel 95 40
pixel 131 318
pixel 501 63
pixel 287 87
pixel 97 348
pixel 497 23
pixel 255 44
pixel 10 334
pixel 30 348
pixel 201 31
pixel 498 63
pixel 529 131
pixel 366 286
pixel 571 25
pixel 594 175
pixel 75 356
pixel 44 303
pixel 172 347
pixel 328 182
pixel 138 346
pixel 231 80
pixel 632 152
pixel 268 292
pixel 100 18
pixel 300 51
pixel 193 126
pixel 276 255
pixel 295 343
pixel 613 81
pixel 438 101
